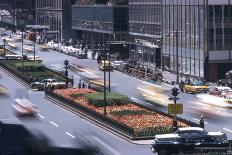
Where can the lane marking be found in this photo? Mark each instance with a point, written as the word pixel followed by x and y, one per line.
pixel 227 130
pixel 112 150
pixel 70 135
pixel 40 116
pixel 56 125
pixel 134 98
pixel 77 76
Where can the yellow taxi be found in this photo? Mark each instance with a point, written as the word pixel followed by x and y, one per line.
pixel 196 87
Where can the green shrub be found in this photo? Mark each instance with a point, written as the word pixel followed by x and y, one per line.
pixel 33 69
pixel 131 112
pixel 76 95
pixel 29 66
pixel 97 99
pixel 152 131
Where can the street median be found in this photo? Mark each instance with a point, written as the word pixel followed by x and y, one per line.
pixel 132 120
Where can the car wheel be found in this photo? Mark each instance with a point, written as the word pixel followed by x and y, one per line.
pixel 162 152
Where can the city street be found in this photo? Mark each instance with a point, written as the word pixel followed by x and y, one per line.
pixel 62 127
pixel 193 109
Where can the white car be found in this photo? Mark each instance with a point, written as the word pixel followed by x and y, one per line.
pixel 37 58
pixel 24 107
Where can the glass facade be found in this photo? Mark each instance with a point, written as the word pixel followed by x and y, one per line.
pixel 220 27
pixel 49 12
pixel 89 17
pixel 97 24
pixel 145 31
pixel 57 15
pixel 184 36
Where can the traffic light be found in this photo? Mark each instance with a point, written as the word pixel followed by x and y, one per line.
pixel 175 91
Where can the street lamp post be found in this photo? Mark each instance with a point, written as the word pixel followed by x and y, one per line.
pixel 109 71
pixel 4 46
pixel 177 59
pixel 66 63
pixel 34 49
pixel 104 70
pixel 22 41
pixel 175 94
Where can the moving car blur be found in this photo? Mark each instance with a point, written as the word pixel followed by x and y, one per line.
pixel 155 94
pixel 3 90
pixel 24 107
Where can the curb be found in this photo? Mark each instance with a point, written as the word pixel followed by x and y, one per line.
pixel 97 122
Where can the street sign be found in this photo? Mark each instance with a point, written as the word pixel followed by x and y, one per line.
pixel 175 108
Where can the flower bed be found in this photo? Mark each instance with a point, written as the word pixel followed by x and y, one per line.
pixel 143 121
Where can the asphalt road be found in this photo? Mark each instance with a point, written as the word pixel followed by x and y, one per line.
pixel 219 118
pixel 62 127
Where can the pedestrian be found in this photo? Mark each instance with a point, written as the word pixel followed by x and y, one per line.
pixel 181 85
pixel 202 122
pixel 89 86
pixel 79 84
pixel 72 81
pixel 83 85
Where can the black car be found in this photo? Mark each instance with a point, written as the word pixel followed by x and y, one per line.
pixel 190 139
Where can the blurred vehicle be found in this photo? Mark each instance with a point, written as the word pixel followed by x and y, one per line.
pixel 190 139
pixel 107 67
pixel 24 107
pixel 28 49
pixel 155 94
pixel 196 87
pixel 13 57
pixel 9 39
pixel 18 38
pixel 37 58
pixel 57 68
pixel 28 42
pixel 12 45
pixel 118 63
pixel 48 83
pixel 213 100
pixel 3 90
pixel 219 91
pixel 44 47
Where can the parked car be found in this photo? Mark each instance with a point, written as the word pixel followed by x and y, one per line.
pixel 13 57
pixel 188 140
pixel 24 107
pixel 49 83
pixel 44 47
pixel 37 58
pixel 219 91
pixel 108 66
pixel 118 63
pixel 196 87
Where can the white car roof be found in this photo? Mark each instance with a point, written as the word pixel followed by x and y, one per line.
pixel 23 102
pixel 191 128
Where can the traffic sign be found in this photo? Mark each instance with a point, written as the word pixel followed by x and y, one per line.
pixel 175 108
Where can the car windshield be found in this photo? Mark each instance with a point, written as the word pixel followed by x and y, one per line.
pixel 197 83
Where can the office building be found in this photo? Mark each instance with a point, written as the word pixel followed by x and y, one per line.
pixel 56 14
pixel 95 25
pixel 197 37
pixel 145 32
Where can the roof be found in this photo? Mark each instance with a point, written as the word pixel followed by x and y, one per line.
pixel 191 128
